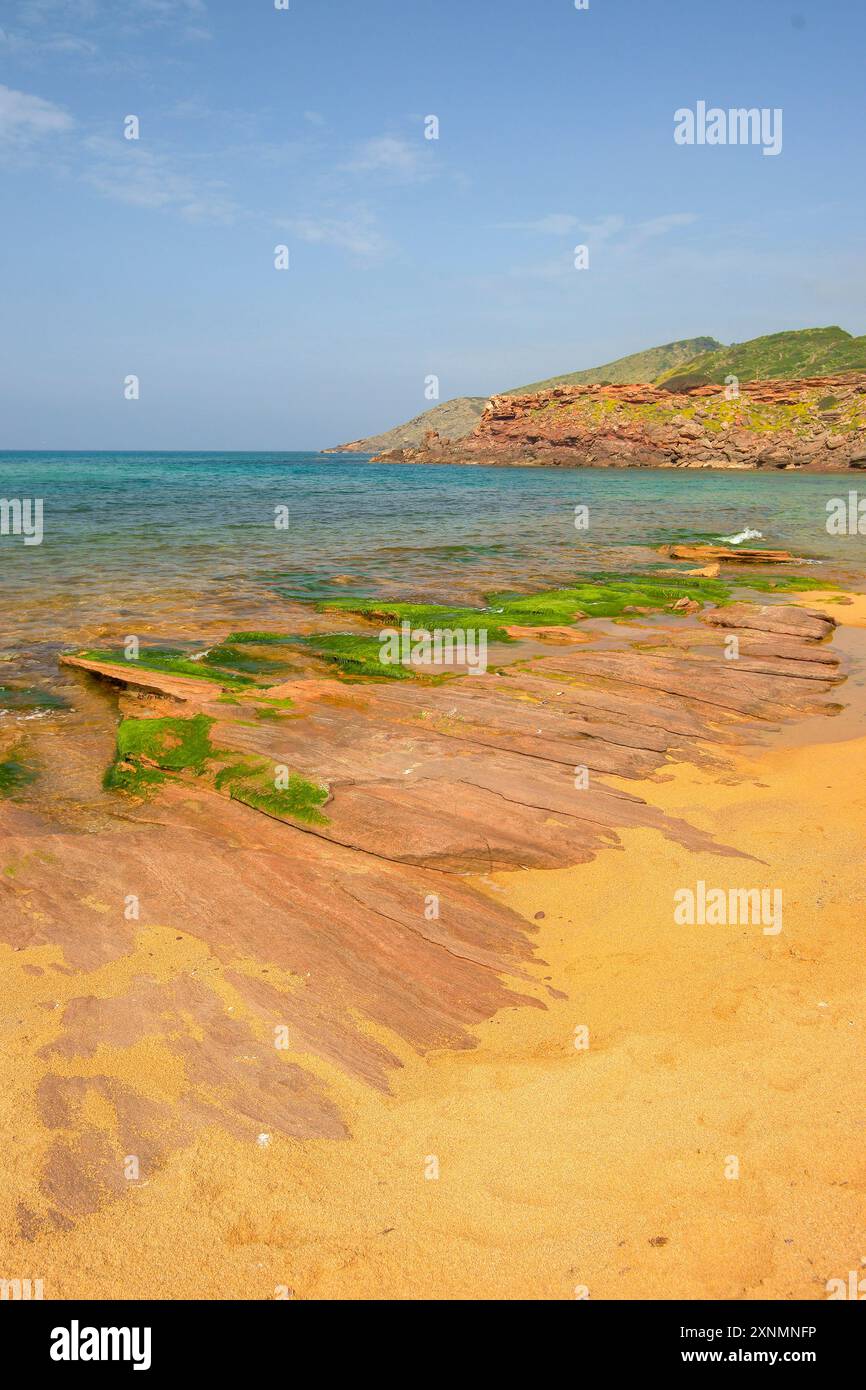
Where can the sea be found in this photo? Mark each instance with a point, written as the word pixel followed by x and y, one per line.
pixel 160 542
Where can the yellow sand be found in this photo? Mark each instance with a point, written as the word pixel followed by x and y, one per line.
pixel 561 1168
pixel 849 610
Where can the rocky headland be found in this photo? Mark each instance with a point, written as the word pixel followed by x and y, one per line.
pixel 817 424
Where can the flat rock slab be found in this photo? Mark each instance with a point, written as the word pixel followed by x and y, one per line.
pixel 127 673
pixel 786 620
pixel 507 770
pixel 736 555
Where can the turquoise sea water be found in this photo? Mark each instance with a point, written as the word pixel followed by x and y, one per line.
pixel 167 534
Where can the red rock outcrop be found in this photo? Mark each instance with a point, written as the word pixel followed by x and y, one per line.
pixel 817 423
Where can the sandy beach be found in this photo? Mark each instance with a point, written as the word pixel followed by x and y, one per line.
pixel 521 1165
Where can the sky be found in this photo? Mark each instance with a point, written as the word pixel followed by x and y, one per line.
pixel 409 258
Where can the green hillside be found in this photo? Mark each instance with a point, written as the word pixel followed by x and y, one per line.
pixel 639 366
pixel 806 352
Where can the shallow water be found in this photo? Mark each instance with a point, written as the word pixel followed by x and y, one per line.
pixel 190 538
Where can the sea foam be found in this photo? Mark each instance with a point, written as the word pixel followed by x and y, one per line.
pixel 747 535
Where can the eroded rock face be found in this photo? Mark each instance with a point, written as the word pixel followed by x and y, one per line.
pixel 818 423
pixel 133 1032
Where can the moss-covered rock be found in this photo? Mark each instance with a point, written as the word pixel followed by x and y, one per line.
pixel 356 655
pixel 149 748
pixel 255 783
pixel 598 596
pixel 170 662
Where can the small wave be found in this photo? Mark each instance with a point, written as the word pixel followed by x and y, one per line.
pixel 20 718
pixel 747 535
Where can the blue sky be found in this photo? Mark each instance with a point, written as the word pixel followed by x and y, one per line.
pixel 409 257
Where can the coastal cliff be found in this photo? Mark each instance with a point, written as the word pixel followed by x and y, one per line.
pixel 817 424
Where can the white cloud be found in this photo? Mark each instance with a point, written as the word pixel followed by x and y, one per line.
pixel 71 43
pixel 180 13
pixel 171 9
pixel 389 155
pixel 40 11
pixel 554 224
pixel 618 240
pixel 23 46
pixel 659 226
pixel 122 170
pixel 192 109
pixel 356 233
pixel 605 228
pixel 566 224
pixel 24 118
pixel 126 173
pixel 87 28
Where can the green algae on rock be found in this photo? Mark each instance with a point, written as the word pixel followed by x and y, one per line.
pixel 151 749
pixel 28 697
pixel 228 657
pixel 174 744
pixel 259 638
pixel 788 584
pixel 170 662
pixel 604 596
pixel 421 615
pixel 356 654
pixel 254 783
pixel 147 749
pixel 15 774
pixel 598 596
